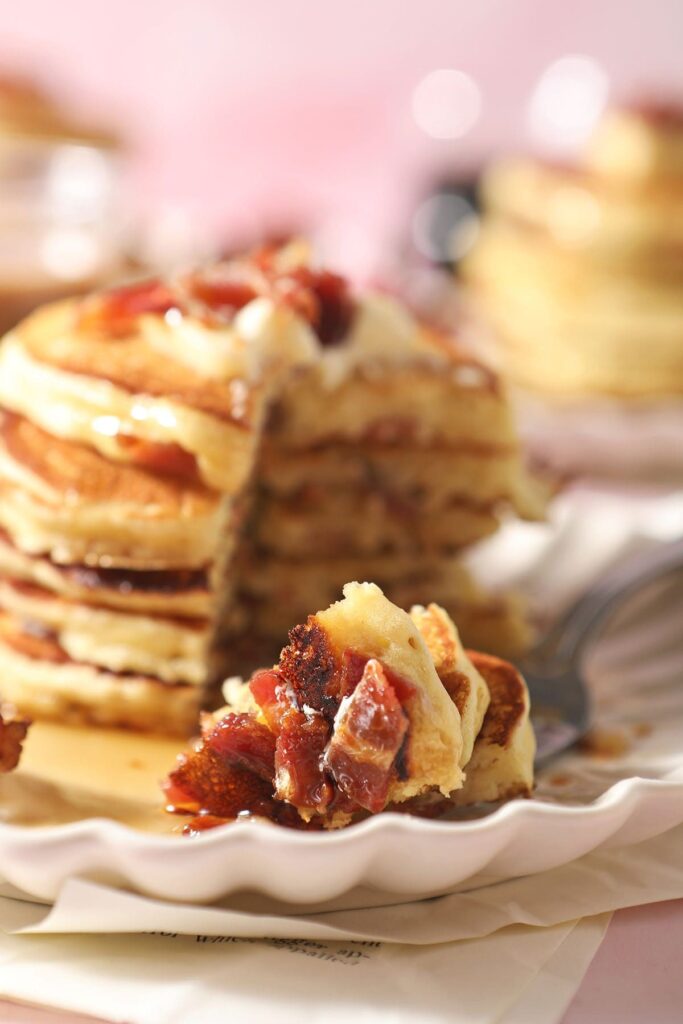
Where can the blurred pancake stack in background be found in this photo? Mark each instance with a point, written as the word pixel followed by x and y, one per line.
pixel 578 270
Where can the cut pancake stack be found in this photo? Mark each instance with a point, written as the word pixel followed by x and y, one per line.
pixel 579 267
pixel 385 459
pixel 186 464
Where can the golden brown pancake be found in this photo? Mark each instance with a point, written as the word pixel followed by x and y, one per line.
pixel 502 762
pixel 460 678
pixel 69 502
pixel 51 336
pixel 578 269
pixel 42 681
pixel 184 592
pixel 172 649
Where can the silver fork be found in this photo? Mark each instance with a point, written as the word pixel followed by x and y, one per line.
pixel 554 670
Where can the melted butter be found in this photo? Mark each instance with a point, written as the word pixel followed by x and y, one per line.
pixel 70 773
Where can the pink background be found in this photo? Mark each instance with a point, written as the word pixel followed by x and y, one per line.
pixel 291 110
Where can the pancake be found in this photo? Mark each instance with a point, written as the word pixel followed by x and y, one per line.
pixel 173 370
pixel 176 592
pixel 639 142
pixel 69 502
pixel 366 709
pixel 502 762
pixel 578 269
pixel 275 593
pixel 352 717
pixel 367 623
pixel 43 682
pixel 429 474
pixel 460 678
pixel 580 209
pixel 122 399
pixel 346 520
pixel 410 403
pixel 174 650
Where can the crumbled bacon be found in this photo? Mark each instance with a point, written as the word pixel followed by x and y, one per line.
pixel 334 738
pixel 369 732
pixel 114 311
pixel 231 771
pixel 299 770
pixel 322 298
pixel 268 690
pixel 167 458
pixel 221 294
pixel 240 740
pixel 217 293
pixel 12 735
pixel 309 665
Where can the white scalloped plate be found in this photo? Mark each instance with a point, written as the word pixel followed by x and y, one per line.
pixel 583 804
pixel 392 854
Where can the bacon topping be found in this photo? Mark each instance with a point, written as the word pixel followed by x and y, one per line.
pixel 368 735
pixel 334 734
pixel 299 769
pixel 231 771
pixel 12 735
pixel 240 740
pixel 267 689
pixel 167 457
pixel 322 298
pixel 217 293
pixel 114 311
pixel 308 664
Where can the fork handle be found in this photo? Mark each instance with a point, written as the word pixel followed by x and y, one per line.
pixel 567 638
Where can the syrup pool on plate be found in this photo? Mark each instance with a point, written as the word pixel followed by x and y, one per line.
pixel 68 773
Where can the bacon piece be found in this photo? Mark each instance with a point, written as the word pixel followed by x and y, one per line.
pixel 299 769
pixel 352 669
pixel 268 690
pixel 202 823
pixel 204 782
pixel 12 735
pixel 369 732
pixel 114 312
pixel 230 772
pixel 322 298
pixel 242 741
pixel 167 458
pixel 309 666
pixel 222 294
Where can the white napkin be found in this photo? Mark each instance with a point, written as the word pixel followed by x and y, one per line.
pixel 172 979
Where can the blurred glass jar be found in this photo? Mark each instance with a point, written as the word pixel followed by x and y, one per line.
pixel 61 212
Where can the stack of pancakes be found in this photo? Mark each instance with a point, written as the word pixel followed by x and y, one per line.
pixel 185 465
pixel 579 268
pixel 384 468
